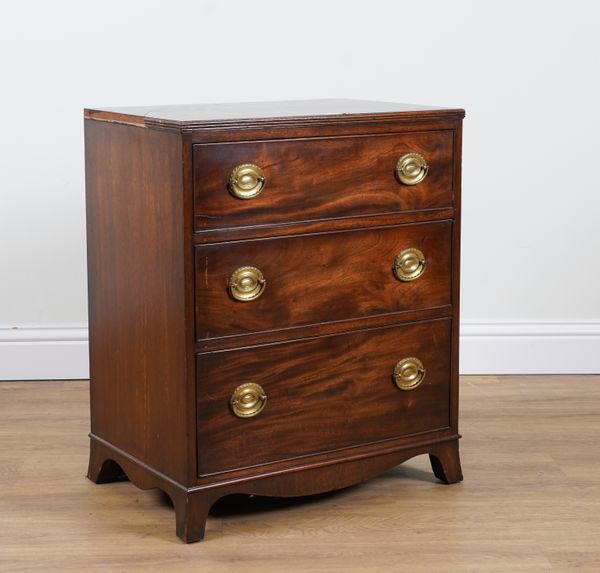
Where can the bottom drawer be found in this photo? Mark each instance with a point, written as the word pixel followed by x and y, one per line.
pixel 321 394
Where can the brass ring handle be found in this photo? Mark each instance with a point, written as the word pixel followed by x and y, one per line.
pixel 409 373
pixel 246 283
pixel 409 265
pixel 411 168
pixel 246 181
pixel 248 400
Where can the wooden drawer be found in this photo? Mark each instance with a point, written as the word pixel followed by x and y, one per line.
pixel 320 178
pixel 318 278
pixel 322 394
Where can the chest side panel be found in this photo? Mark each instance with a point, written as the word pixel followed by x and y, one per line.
pixel 136 235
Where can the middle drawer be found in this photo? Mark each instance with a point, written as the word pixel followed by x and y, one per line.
pixel 270 284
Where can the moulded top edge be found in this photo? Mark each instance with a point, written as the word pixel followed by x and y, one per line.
pixel 206 116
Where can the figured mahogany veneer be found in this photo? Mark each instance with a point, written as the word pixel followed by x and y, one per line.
pixel 347 275
pixel 169 345
pixel 313 179
pixel 314 387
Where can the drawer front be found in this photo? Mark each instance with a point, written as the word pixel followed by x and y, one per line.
pixel 322 394
pixel 314 179
pixel 312 279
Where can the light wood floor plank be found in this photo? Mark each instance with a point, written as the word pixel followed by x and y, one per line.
pixel 530 501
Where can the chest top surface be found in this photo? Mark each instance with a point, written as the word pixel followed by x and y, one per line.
pixel 302 111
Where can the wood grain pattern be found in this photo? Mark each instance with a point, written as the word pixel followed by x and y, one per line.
pixel 192 505
pixel 326 237
pixel 529 503
pixel 328 127
pixel 318 278
pixel 272 114
pixel 323 394
pixel 314 179
pixel 137 311
pixel 322 329
pixel 325 225
pixel 456 235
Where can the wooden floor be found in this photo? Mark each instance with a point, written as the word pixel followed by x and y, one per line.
pixel 530 500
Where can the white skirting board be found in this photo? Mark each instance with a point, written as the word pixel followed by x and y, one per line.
pixel 530 348
pixel 61 353
pixel 39 353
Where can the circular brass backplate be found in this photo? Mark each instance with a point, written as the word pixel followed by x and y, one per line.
pixel 411 168
pixel 248 400
pixel 246 181
pixel 409 265
pixel 409 373
pixel 246 283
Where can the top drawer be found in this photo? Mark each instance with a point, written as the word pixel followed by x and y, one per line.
pixel 320 178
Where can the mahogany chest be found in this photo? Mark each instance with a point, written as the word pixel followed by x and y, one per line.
pixel 273 296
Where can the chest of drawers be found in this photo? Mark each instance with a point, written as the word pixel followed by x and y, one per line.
pixel 273 296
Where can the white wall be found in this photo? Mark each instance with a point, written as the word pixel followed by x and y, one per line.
pixel 526 72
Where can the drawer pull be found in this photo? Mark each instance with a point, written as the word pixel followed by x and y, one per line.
pixel 411 168
pixel 248 400
pixel 409 373
pixel 409 265
pixel 246 181
pixel 246 283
